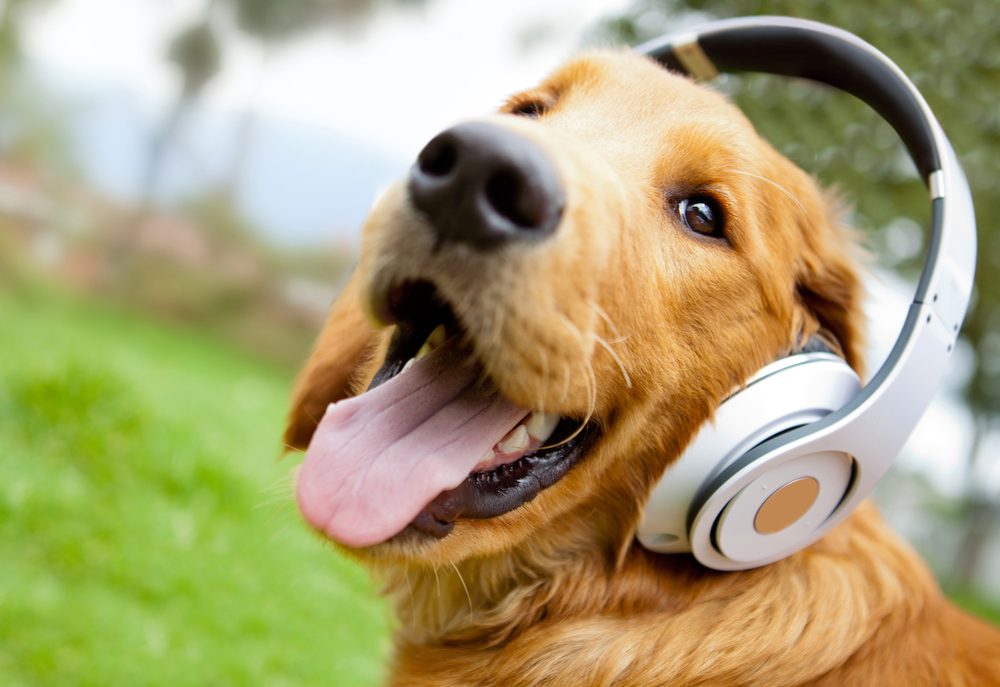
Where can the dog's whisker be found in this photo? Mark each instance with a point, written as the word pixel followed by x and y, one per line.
pixel 442 602
pixel 621 365
pixel 565 393
pixel 282 487
pixel 282 510
pixel 467 595
pixel 604 316
pixel 409 587
pixel 281 533
pixel 593 399
pixel 283 499
pixel 544 386
pixel 776 185
pixel 591 379
pixel 310 415
pixel 284 481
pixel 293 448
pixel 280 491
pixel 496 330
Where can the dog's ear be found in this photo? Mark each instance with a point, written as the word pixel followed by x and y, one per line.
pixel 830 288
pixel 345 344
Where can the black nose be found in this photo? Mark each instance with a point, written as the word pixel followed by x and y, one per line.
pixel 484 185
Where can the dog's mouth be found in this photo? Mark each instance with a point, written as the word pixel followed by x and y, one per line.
pixel 431 441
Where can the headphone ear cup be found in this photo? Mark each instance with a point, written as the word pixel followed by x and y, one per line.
pixel 782 507
pixel 789 393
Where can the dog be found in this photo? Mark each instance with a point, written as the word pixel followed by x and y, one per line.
pixel 544 313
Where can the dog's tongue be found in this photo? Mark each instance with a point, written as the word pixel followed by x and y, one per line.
pixel 377 459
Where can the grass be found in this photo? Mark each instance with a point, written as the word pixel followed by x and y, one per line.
pixel 147 530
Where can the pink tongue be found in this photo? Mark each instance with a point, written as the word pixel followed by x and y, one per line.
pixel 377 459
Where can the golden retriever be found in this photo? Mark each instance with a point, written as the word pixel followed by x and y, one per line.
pixel 619 252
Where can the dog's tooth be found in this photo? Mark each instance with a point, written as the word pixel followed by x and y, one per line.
pixel 541 425
pixel 408 365
pixel 437 337
pixel 515 441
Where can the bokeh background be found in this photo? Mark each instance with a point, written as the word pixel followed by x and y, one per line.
pixel 181 187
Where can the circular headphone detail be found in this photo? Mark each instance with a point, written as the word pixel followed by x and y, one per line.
pixel 787 394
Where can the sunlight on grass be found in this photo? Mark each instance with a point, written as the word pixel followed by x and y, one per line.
pixel 147 530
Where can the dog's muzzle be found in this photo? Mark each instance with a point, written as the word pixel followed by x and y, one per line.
pixel 485 186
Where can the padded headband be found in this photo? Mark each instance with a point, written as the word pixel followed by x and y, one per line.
pixel 796 48
pixel 810 50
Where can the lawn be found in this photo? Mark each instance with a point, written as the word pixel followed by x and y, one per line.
pixel 147 531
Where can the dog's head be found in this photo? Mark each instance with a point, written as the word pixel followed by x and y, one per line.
pixel 612 253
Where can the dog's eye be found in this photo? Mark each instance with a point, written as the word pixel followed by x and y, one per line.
pixel 531 109
pixel 701 215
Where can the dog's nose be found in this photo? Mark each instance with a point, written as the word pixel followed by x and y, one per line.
pixel 483 185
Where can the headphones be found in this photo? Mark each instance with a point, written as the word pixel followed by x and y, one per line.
pixel 792 454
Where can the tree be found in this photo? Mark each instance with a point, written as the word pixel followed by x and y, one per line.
pixel 948 47
pixel 34 130
pixel 12 13
pixel 272 23
pixel 196 53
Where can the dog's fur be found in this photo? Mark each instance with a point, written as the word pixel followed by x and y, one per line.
pixel 626 317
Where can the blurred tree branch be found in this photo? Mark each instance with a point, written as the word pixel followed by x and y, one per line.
pixel 12 14
pixel 274 23
pixel 198 54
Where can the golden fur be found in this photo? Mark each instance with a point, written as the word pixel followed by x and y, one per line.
pixel 626 318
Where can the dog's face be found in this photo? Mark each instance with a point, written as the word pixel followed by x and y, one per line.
pixel 615 251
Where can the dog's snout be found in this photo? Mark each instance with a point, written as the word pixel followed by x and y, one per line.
pixel 483 185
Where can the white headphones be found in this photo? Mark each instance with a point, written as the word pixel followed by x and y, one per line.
pixel 790 456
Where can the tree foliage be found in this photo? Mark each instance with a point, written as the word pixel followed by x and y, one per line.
pixel 196 53
pixel 271 21
pixel 949 50
pixel 12 14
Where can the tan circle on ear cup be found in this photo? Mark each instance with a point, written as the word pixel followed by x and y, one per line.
pixel 785 506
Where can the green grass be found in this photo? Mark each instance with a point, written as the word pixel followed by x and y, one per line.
pixel 976 604
pixel 147 531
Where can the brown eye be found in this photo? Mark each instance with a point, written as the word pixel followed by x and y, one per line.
pixel 531 110
pixel 701 215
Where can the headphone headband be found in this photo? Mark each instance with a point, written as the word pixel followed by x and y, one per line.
pixel 874 426
pixel 809 50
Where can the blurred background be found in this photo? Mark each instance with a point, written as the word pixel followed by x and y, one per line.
pixel 181 187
